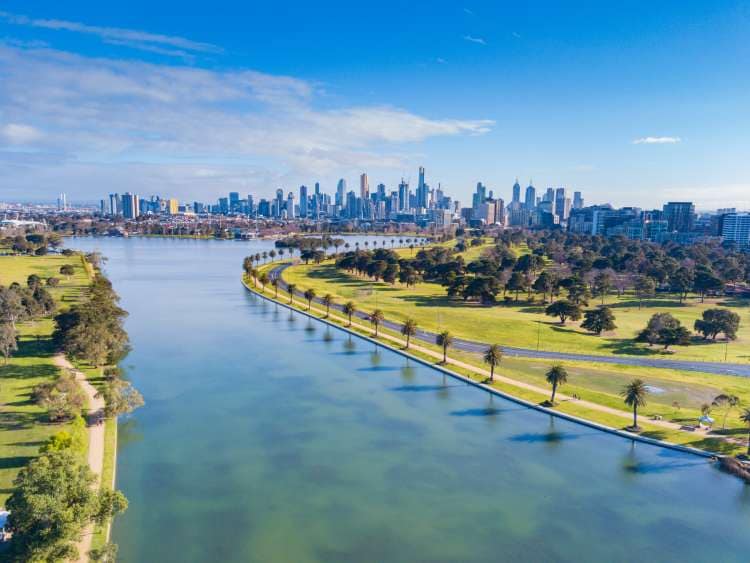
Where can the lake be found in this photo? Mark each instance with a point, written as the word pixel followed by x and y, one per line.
pixel 268 437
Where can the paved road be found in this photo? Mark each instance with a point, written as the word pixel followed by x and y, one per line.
pixel 742 370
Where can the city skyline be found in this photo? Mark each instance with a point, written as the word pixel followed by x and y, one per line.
pixel 195 105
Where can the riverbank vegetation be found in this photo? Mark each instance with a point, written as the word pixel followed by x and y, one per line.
pixel 45 440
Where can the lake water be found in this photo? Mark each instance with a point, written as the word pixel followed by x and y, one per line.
pixel 269 437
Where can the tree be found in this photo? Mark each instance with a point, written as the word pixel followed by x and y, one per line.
pixel 105 554
pixel 599 320
pixel 409 329
pixel 291 287
pixel 120 398
pixel 11 307
pixel 564 309
pixel 727 402
pixel 309 296
pixel 517 283
pixel 663 328
pixel 67 270
pixel 53 282
pixel 53 500
pixel 8 340
pixel 705 281
pixel 681 282
pixel 745 417
pixel 544 284
pixel 492 357
pixel 578 291
pixel 603 285
pixel 444 340
pixel 349 309
pixel 63 398
pixel 716 321
pixel 376 317
pixel 556 376
pixel 275 285
pixel 634 394
pixel 263 279
pixel 645 286
pixel 327 301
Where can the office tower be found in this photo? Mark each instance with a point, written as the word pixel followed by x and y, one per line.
pixel 422 189
pixel 173 206
pixel 380 193
pixel 317 188
pixel 403 195
pixel 364 187
pixel 62 202
pixel 560 203
pixel 115 205
pixel 530 199
pixel 577 200
pixel 234 201
pixel 351 205
pixel 290 214
pixel 479 195
pixel 340 192
pixel 303 202
pixel 516 192
pixel 680 216
pixel 129 205
pixel 250 205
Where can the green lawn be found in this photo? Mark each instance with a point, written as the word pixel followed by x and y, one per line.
pixel 524 324
pixel 23 425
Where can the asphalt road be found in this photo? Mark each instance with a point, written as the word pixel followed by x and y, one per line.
pixel 741 370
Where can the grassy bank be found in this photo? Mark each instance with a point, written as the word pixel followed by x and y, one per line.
pixel 682 393
pixel 23 424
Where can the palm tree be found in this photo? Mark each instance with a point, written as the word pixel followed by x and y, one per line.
pixel 349 309
pixel 492 356
pixel 728 402
pixel 263 279
pixel 327 300
pixel 745 417
pixel 444 339
pixel 290 288
pixel 408 330
pixel 275 285
pixel 634 394
pixel 309 295
pixel 254 275
pixel 376 317
pixel 556 376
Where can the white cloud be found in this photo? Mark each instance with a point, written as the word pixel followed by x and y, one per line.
pixel 467 11
pixel 19 134
pixel 657 141
pixel 472 39
pixel 516 35
pixel 146 123
pixel 441 61
pixel 136 39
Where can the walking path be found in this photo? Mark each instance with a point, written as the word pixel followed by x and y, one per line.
pixel 96 443
pixel 742 370
pixel 626 416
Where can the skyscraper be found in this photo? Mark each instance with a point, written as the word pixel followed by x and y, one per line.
pixel 560 203
pixel 680 216
pixel 403 195
pixel 577 200
pixel 303 202
pixel 516 192
pixel 364 186
pixel 530 199
pixel 422 189
pixel 234 201
pixel 62 202
pixel 340 192
pixel 479 195
pixel 129 205
pixel 290 214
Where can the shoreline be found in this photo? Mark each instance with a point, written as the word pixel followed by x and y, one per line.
pixel 518 400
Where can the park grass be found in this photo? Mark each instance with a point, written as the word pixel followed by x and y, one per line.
pixel 695 385
pixel 523 324
pixel 23 425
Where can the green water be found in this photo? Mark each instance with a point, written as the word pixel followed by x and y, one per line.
pixel 269 437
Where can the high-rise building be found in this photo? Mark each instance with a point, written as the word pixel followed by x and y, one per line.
pixel 290 213
pixel 115 205
pixel 560 204
pixel 173 206
pixel 403 195
pixel 62 202
pixel 303 201
pixel 479 195
pixel 364 186
pixel 680 216
pixel 735 228
pixel 340 192
pixel 530 199
pixel 422 190
pixel 577 200
pixel 129 205
pixel 234 201
pixel 516 192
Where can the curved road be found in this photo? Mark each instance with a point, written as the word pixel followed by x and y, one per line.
pixel 742 370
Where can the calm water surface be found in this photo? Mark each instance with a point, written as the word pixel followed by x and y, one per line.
pixel 268 437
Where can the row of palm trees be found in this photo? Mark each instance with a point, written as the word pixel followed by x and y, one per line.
pixel 634 394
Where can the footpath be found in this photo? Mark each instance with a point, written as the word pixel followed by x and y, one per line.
pixel 96 443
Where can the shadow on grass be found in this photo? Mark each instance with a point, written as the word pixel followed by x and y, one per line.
pixel 14 462
pixel 648 304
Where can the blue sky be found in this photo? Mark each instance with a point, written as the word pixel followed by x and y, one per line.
pixel 632 103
